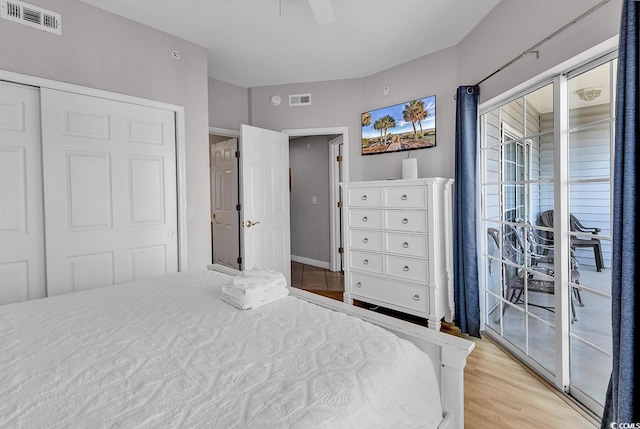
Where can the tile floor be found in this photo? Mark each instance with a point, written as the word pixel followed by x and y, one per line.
pixel 312 278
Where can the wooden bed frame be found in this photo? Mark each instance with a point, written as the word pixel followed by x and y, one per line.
pixel 447 352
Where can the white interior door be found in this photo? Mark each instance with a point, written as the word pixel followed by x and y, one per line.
pixel 110 191
pixel 224 199
pixel 22 274
pixel 264 194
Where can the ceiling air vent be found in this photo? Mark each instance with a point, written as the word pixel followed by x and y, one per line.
pixel 33 16
pixel 299 99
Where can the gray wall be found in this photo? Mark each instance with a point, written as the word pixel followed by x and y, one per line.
pixel 340 103
pixel 334 103
pixel 228 105
pixel 310 233
pixel 101 50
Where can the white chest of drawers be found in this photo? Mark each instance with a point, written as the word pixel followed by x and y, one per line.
pixel 398 246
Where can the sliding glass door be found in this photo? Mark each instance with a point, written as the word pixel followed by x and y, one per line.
pixel 546 186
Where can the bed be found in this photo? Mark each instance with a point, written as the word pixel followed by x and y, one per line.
pixel 168 352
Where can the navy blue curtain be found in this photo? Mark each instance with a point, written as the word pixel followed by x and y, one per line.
pixel 465 245
pixel 621 403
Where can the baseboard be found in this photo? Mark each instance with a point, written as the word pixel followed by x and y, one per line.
pixel 309 261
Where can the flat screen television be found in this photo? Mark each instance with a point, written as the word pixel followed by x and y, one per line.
pixel 406 126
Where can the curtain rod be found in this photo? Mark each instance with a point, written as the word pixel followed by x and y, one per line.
pixel 534 48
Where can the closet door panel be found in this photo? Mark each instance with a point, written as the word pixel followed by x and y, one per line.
pixel 21 213
pixel 110 191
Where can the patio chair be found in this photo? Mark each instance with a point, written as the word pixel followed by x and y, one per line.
pixel 513 250
pixel 546 219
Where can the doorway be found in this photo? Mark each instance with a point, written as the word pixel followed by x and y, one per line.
pixel 223 177
pixel 337 171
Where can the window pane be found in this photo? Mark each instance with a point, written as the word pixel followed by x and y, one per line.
pixel 492 164
pixel 541 150
pixel 492 205
pixel 589 96
pixel 542 343
pixel 590 370
pixel 590 205
pixel 512 116
pixel 585 263
pixel 594 318
pixel 541 200
pixel 540 110
pixel 490 128
pixel 493 312
pixel 590 153
pixel 513 198
pixel 513 326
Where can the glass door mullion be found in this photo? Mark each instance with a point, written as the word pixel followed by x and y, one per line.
pixel 561 231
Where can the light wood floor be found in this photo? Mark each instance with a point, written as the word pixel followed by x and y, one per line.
pixel 498 391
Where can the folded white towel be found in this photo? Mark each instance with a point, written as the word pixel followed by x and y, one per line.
pixel 245 304
pixel 249 282
pixel 252 292
pixel 255 282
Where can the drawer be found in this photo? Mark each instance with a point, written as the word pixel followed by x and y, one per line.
pixel 406 220
pixel 407 244
pixel 364 261
pixel 365 218
pixel 405 295
pixel 365 240
pixel 410 196
pixel 364 197
pixel 406 268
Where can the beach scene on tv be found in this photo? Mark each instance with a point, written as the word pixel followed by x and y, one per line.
pixel 404 126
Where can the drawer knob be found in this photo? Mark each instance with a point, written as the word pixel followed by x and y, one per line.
pixel 405 221
pixel 405 268
pixel 364 219
pixel 405 245
pixel 358 284
pixel 366 262
pixel 364 198
pixel 365 240
pixel 404 197
pixel 416 297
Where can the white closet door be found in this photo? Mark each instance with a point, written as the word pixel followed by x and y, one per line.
pixel 110 191
pixel 21 214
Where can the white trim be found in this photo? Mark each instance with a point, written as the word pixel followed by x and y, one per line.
pixel 309 261
pixel 224 132
pixel 93 92
pixel 180 139
pixel 303 132
pixel 181 178
pixel 334 197
pixel 334 224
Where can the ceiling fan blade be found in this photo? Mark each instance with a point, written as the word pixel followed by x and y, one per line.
pixel 323 11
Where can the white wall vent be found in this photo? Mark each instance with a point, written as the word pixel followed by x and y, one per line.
pixel 299 99
pixel 33 16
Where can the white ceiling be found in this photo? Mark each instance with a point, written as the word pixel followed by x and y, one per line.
pixel 270 42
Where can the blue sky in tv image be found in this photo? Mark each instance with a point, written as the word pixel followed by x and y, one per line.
pixel 402 126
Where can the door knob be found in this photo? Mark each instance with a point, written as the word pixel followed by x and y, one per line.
pixel 249 224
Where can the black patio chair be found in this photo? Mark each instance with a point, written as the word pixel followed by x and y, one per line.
pixel 546 219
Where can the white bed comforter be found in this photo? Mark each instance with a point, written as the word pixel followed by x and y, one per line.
pixel 167 352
